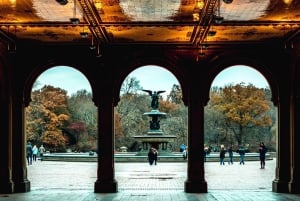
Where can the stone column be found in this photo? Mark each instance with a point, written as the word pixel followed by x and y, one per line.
pixel 281 182
pixel 6 183
pixel 294 185
pixel 19 173
pixel 106 182
pixel 195 182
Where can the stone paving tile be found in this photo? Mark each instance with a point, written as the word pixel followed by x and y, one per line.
pixel 64 181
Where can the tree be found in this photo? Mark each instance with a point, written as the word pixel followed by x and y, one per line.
pixel 83 122
pixel 215 128
pixel 130 86
pixel 175 123
pixel 175 95
pixel 119 134
pixel 243 107
pixel 130 110
pixel 47 115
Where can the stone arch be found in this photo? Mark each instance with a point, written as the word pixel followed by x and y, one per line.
pixel 37 71
pixel 220 65
pixel 174 68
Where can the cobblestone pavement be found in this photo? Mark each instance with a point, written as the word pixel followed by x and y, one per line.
pixel 62 181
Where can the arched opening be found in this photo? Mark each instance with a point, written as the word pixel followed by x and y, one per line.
pixel 240 114
pixel 134 135
pixel 62 118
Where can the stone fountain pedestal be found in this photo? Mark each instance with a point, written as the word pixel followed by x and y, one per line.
pixel 155 137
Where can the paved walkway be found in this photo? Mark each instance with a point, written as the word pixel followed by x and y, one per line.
pixel 62 181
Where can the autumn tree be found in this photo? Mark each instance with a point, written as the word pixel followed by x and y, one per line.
pixel 216 131
pixel 131 108
pixel 46 116
pixel 83 122
pixel 242 108
pixel 175 123
pixel 119 134
pixel 175 95
pixel 129 114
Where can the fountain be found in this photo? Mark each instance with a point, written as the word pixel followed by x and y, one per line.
pixel 154 137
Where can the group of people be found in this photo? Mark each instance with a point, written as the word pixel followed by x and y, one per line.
pixel 33 151
pixel 152 156
pixel 242 151
pixel 153 153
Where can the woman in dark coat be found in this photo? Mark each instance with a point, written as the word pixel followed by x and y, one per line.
pixel 262 155
pixel 222 155
pixel 151 156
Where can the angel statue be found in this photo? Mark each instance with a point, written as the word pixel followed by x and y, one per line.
pixel 154 95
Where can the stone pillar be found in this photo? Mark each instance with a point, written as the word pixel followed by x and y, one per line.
pixel 281 182
pixel 195 182
pixel 106 182
pixel 19 173
pixel 294 185
pixel 6 183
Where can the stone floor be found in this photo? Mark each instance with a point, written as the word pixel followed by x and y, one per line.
pixel 62 181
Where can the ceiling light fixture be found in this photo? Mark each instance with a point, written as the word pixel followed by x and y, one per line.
pixel 74 19
pixel 201 53
pixel 200 4
pixel 92 46
pixel 228 1
pixel 212 33
pixel 218 18
pixel 98 54
pixel 62 2
pixel 11 44
pixel 205 46
pixel 83 34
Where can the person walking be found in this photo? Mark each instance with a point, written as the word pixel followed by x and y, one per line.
pixel 206 152
pixel 242 152
pixel 230 155
pixel 185 154
pixel 42 151
pixel 222 155
pixel 29 153
pixel 151 156
pixel 155 156
pixel 262 155
pixel 34 152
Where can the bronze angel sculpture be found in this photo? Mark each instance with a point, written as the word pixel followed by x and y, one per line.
pixel 154 95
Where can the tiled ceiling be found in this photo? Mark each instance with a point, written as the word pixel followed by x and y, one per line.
pixel 167 22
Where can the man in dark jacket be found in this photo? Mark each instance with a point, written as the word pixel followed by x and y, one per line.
pixel 29 153
pixel 151 156
pixel 242 152
pixel 262 155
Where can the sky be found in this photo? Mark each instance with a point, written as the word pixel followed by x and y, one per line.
pixel 64 77
pixel 238 74
pixel 153 78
